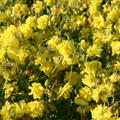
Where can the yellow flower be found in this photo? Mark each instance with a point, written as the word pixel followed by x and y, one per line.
pixel 103 92
pixel 71 60
pixel 37 90
pixel 115 45
pixel 85 93
pixel 26 30
pixel 2 54
pixel 77 21
pixel 83 45
pixel 64 91
pixel 39 60
pixel 114 77
pixel 49 2
pixel 93 67
pixel 53 42
pixel 38 7
pixel 113 14
pixel 59 62
pixel 20 9
pixel 66 48
pixel 31 21
pixel 32 78
pixel 35 108
pixel 47 68
pixel 94 50
pixel 8 90
pixel 101 113
pixel 94 7
pixel 42 22
pixel 12 29
pixel 7 112
pixel 22 55
pixel 89 80
pixel 106 7
pixel 8 38
pixel 20 108
pixel 10 41
pixel 12 54
pixel 98 22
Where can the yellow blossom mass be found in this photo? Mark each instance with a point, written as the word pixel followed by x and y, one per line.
pixel 59 59
pixel 37 90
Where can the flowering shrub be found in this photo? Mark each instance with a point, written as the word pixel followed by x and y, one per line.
pixel 59 60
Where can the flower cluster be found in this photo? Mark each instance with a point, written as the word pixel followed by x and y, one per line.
pixel 57 54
